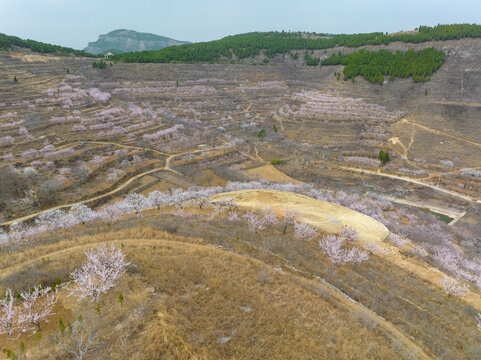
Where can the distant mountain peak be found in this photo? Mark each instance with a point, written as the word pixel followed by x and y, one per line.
pixel 123 40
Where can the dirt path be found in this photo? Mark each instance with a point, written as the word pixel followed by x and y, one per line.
pixel 270 172
pixel 257 154
pixel 278 118
pixel 166 167
pixel 95 198
pixel 437 175
pixel 240 152
pixel 456 215
pixel 410 180
pixel 458 103
pixel 457 218
pixel 452 213
pixel 396 141
pixel 437 132
pixel 124 146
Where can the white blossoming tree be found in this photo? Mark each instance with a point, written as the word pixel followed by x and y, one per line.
pixel 104 266
pixel 37 305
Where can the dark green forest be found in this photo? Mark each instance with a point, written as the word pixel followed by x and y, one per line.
pixel 272 43
pixel 374 65
pixel 7 42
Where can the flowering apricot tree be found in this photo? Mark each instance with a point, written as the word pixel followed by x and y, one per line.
pixel 104 266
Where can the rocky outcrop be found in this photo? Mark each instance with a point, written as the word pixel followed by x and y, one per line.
pixel 123 40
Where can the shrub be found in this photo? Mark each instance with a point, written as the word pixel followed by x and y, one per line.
pixel 261 134
pixel 47 192
pixel 383 156
pixel 277 161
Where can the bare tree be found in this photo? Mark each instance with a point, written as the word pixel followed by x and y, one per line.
pixel 48 191
pixel 78 338
pixel 290 217
pixel 136 202
pixel 332 245
pixel 201 201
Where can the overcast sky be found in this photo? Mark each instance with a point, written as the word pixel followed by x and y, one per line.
pixel 74 23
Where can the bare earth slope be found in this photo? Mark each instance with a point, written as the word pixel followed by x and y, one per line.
pixel 326 216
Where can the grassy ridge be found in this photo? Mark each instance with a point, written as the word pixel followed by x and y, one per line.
pixel 272 43
pixel 7 42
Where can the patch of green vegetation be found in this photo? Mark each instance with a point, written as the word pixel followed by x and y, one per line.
pixel 383 156
pixel 374 65
pixel 311 61
pixel 261 134
pixel 442 217
pixel 100 65
pixel 272 43
pixel 277 161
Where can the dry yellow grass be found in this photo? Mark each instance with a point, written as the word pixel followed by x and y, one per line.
pixel 191 301
pixel 271 173
pixel 173 266
pixel 327 216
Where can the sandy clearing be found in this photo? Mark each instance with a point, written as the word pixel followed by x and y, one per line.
pixel 271 173
pixel 325 215
pixel 34 57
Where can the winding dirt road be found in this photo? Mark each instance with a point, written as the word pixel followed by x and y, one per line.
pixel 410 180
pixel 166 167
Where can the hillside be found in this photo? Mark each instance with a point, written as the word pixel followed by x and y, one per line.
pixel 8 42
pixel 244 206
pixel 264 48
pixel 269 44
pixel 122 40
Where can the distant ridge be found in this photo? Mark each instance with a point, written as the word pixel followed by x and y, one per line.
pixel 269 44
pixel 122 40
pixel 9 42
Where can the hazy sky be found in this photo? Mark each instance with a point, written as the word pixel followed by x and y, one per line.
pixel 76 22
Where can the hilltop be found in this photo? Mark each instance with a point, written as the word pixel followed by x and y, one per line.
pixel 123 40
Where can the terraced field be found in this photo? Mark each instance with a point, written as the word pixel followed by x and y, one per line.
pixel 226 187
